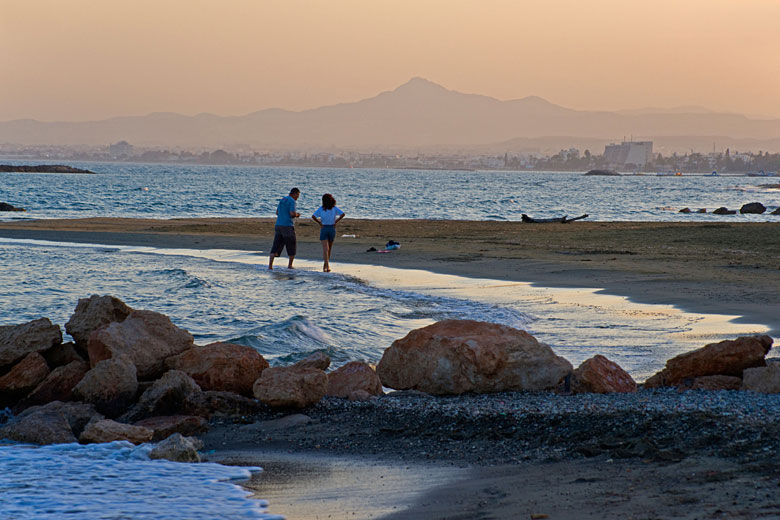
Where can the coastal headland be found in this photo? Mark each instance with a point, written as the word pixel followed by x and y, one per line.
pixel 657 453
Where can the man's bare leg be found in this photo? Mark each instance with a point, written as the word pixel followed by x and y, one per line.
pixel 289 264
pixel 271 262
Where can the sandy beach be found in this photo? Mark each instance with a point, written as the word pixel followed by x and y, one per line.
pixel 626 460
pixel 718 268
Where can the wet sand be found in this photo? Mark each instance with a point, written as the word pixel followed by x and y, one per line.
pixel 718 268
pixel 721 268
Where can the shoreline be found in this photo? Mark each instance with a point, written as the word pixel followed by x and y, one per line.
pixel 727 269
pixel 654 454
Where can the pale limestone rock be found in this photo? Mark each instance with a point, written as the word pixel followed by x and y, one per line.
pixel 457 356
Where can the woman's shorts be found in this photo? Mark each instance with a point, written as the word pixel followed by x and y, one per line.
pixel 328 233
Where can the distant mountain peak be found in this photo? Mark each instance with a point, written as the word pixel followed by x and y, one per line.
pixel 418 83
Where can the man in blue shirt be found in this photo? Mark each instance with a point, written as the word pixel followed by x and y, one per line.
pixel 284 231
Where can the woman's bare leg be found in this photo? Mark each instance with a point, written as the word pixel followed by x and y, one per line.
pixel 325 255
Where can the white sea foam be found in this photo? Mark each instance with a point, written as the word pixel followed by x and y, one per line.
pixel 118 481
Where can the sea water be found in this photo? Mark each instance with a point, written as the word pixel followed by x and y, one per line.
pixel 352 314
pixel 114 481
pixel 178 191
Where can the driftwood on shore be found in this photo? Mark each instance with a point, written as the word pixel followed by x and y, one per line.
pixel 562 220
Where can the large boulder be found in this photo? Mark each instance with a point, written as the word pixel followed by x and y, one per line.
pixel 728 358
pixel 178 448
pixel 24 376
pixel 167 396
pixel 111 385
pixel 762 379
pixel 107 430
pixel 93 313
pixel 753 207
pixel 352 377
pixel 599 375
pixel 457 356
pixel 221 366
pixel 17 341
pixel 53 423
pixel 166 425
pixel 147 338
pixel 58 386
pixel 292 386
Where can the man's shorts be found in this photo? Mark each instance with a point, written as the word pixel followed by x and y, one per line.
pixel 284 236
pixel 328 233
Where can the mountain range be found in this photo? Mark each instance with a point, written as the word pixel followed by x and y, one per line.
pixel 418 115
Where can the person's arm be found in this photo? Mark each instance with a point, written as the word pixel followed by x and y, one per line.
pixel 341 216
pixel 315 219
pixel 294 213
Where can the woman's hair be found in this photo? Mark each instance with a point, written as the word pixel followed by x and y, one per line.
pixel 328 201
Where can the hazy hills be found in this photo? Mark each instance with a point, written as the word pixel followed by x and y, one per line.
pixel 417 115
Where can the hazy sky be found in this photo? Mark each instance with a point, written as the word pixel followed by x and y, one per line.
pixel 92 59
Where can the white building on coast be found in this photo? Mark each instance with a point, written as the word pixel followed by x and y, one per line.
pixel 636 153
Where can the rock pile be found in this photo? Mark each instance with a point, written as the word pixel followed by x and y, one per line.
pixel 133 375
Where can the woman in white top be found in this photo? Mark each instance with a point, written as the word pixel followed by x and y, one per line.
pixel 327 216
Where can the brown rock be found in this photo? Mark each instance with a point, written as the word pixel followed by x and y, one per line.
pixel 59 385
pixel 762 379
pixel 177 448
pixel 352 377
pixel 25 375
pixel 16 341
pixel 221 366
pixel 729 357
pixel 456 356
pixel 165 426
pixel 167 396
pixel 211 403
pixel 62 354
pixel 599 375
pixel 93 313
pixel 107 430
pixel 318 360
pixel 53 423
pixel 657 380
pixel 753 207
pixel 291 386
pixel 147 338
pixel 111 386
pixel 41 427
pixel 715 383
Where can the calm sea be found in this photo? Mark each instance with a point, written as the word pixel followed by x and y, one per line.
pixel 354 313
pixel 173 191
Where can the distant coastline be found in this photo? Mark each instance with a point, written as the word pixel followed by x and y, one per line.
pixel 42 168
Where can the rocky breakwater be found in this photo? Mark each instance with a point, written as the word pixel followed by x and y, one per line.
pixel 134 375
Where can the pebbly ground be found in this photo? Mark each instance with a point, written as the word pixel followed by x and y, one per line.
pixel 653 455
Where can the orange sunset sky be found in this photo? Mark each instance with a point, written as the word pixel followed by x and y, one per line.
pixel 92 59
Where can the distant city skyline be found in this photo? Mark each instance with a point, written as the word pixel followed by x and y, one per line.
pixel 88 59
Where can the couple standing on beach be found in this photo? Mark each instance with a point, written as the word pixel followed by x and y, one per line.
pixel 327 216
